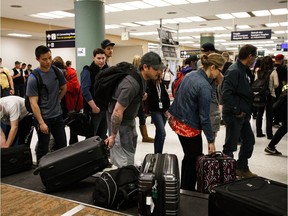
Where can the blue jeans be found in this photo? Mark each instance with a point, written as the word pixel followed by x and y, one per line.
pixel 159 121
pixel 99 123
pixel 56 128
pixel 239 128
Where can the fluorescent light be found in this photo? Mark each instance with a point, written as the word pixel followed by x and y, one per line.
pixel 143 33
pixel 225 16
pixel 182 20
pixel 177 2
pixel 196 19
pixel 222 35
pixel 113 26
pixel 283 23
pixel 130 24
pixel 123 6
pixel 220 28
pixel 111 9
pixel 243 26
pixel 280 11
pixel 145 23
pixel 169 21
pixel 241 15
pixel 261 13
pixel 272 24
pixel 53 15
pixel 186 42
pixel 19 35
pixel 157 3
pixel 280 32
pixel 139 4
pixel 63 13
pixel 197 1
pixel 41 16
pixel 220 40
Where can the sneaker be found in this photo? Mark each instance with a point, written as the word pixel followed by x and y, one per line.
pixel 272 151
pixel 245 173
pixel 261 135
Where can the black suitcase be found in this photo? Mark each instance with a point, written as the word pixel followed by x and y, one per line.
pixel 158 185
pixel 255 196
pixel 15 159
pixel 73 163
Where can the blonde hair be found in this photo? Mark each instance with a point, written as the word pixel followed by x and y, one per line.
pixel 136 61
pixel 212 59
pixel 225 55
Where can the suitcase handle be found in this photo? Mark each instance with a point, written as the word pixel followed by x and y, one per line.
pixel 215 154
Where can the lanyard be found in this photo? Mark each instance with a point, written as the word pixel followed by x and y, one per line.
pixel 158 87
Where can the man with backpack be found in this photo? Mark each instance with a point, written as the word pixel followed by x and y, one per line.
pixel 98 115
pixel 122 112
pixel 45 100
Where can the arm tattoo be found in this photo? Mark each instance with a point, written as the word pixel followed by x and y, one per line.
pixel 115 121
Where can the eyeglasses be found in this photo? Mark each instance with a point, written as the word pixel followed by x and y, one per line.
pixel 219 70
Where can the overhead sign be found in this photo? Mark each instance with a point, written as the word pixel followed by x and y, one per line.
pixel 251 35
pixel 60 38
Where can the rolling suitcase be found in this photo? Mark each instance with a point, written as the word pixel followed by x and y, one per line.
pixel 15 159
pixel 158 185
pixel 214 169
pixel 255 196
pixel 73 163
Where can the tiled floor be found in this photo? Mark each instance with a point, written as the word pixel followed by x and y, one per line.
pixel 272 167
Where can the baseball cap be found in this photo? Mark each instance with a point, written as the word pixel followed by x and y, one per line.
pixel 279 57
pixel 206 47
pixel 193 58
pixel 17 62
pixel 152 59
pixel 106 43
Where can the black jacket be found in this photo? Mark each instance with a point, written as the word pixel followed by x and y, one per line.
pixel 153 99
pixel 236 91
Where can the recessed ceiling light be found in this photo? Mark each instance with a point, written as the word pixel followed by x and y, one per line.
pixel 280 11
pixel 171 12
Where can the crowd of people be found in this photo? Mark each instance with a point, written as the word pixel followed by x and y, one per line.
pixel 212 89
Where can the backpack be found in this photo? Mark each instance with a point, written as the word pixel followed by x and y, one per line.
pixel 117 188
pixel 40 86
pixel 106 82
pixel 260 90
pixel 175 84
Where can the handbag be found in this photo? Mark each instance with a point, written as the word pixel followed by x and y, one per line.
pixel 79 122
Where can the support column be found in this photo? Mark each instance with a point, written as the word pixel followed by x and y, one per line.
pixel 89 30
pixel 206 38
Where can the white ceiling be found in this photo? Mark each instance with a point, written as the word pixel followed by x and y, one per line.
pixel 206 10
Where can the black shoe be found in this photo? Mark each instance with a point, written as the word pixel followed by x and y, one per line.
pixel 269 137
pixel 272 151
pixel 261 135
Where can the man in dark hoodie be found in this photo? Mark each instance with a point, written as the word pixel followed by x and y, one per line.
pixel 87 82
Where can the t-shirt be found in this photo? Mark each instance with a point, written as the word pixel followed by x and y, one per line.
pixel 127 95
pixel 50 102
pixel 13 109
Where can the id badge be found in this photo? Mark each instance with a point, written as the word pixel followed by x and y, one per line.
pixel 160 105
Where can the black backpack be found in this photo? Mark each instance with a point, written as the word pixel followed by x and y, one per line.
pixel 107 80
pixel 260 89
pixel 40 86
pixel 117 188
